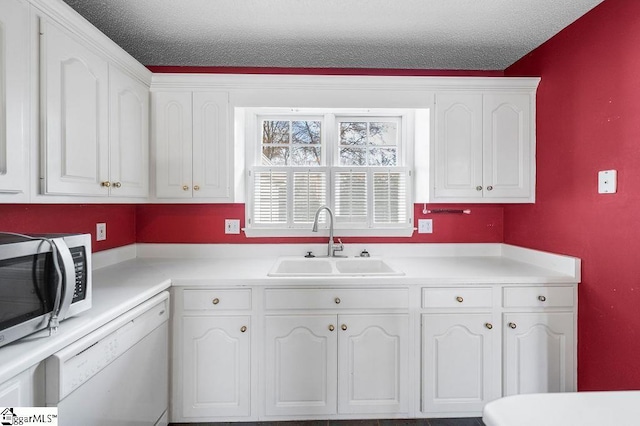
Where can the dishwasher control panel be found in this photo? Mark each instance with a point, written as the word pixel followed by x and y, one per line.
pixel 69 368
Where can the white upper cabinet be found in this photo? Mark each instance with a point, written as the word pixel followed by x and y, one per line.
pixel 458 145
pixel 484 149
pixel 94 111
pixel 128 136
pixel 74 91
pixel 14 96
pixel 508 156
pixel 191 145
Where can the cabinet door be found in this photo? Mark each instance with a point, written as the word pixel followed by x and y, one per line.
pixel 373 357
pixel 459 372
pixel 458 146
pixel 507 145
pixel 25 389
pixel 216 366
pixel 173 126
pixel 301 365
pixel 74 89
pixel 129 135
pixel 211 145
pixel 14 95
pixel 539 353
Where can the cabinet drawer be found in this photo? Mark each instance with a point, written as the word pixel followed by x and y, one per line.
pixel 538 297
pixel 336 298
pixel 457 297
pixel 217 300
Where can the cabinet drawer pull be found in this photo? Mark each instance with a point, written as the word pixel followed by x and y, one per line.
pixel 489 188
pixel 488 325
pixel 331 327
pixel 106 184
pixel 460 299
pixel 337 300
pixel 196 188
pixel 185 187
pixel 542 298
pixel 344 327
pixel 478 188
pixel 215 301
pixel 243 328
pixel 512 325
pixel 117 184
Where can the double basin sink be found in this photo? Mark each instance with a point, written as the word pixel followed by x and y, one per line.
pixel 331 266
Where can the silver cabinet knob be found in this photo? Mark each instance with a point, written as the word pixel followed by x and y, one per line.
pixel 489 188
pixel 478 188
pixel 542 298
pixel 512 325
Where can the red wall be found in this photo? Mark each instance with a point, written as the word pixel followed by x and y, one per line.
pixel 72 218
pixel 204 223
pixel 588 119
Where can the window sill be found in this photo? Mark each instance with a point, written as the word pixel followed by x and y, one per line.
pixel 368 232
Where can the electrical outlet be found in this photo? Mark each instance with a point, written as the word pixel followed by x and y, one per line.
pixel 232 226
pixel 425 226
pixel 101 231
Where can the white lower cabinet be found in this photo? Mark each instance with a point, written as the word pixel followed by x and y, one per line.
pixel 301 367
pixel 328 364
pixel 252 353
pixel 539 352
pixel 25 389
pixel 459 362
pixel 212 355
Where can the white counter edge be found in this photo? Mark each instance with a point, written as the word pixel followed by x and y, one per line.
pixel 556 262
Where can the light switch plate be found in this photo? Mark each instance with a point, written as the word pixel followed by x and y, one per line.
pixel 101 231
pixel 607 181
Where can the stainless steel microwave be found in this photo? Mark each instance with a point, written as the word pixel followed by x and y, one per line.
pixel 44 279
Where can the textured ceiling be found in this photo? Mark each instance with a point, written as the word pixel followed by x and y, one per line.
pixel 412 34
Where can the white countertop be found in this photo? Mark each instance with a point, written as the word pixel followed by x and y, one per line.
pixel 619 408
pixel 130 275
pixel 116 290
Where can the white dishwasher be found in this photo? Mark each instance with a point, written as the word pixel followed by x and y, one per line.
pixel 118 374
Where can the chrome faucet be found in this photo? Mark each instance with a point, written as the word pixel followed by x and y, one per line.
pixel 332 248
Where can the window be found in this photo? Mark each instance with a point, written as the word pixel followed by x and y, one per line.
pixel 354 163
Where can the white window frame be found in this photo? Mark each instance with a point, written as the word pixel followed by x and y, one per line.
pixel 253 134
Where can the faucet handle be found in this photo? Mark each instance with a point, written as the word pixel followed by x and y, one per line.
pixel 337 247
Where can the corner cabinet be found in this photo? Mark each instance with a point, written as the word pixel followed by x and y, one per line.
pixel 75 99
pixel 191 148
pixel 14 97
pixel 95 121
pixel 484 149
pixel 539 340
pixel 212 354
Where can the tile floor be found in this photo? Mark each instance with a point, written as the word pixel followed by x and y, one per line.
pixel 470 421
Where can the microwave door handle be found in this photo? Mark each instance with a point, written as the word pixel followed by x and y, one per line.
pixel 68 272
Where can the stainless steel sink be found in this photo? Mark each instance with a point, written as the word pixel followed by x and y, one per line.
pixel 331 266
